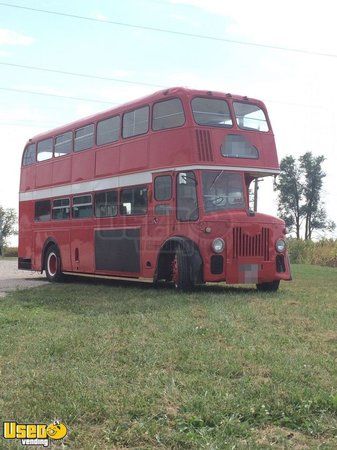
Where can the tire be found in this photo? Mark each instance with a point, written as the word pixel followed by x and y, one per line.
pixel 181 273
pixel 52 264
pixel 272 286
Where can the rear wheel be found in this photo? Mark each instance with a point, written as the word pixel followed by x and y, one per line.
pixel 53 264
pixel 272 286
pixel 181 274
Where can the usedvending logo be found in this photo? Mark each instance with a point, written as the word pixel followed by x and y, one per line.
pixel 34 433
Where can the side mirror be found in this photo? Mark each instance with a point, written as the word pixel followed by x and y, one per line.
pixel 182 178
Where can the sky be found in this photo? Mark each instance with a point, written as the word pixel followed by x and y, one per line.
pixel 298 87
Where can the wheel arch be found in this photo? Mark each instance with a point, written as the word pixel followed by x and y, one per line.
pixel 48 243
pixel 191 249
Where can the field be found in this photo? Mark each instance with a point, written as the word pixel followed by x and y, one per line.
pixel 131 366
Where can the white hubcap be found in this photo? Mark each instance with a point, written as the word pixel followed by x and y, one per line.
pixel 52 264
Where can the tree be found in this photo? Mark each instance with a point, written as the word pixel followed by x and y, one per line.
pixel 290 192
pixel 8 219
pixel 299 194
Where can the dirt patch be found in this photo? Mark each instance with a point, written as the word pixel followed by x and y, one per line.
pixel 12 279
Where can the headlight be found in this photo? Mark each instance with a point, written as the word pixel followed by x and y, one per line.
pixel 218 245
pixel 280 245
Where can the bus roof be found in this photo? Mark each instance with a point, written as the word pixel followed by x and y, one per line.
pixel 156 96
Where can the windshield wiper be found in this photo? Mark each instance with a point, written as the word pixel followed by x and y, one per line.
pixel 216 179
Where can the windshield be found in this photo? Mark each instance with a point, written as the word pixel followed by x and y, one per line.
pixel 222 190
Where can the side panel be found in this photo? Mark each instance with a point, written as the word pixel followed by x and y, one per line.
pixel 118 250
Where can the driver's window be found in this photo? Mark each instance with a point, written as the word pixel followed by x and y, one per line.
pixel 187 202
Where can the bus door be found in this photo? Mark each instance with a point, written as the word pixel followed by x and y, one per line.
pixel 161 212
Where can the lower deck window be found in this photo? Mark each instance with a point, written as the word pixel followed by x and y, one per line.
pixel 106 204
pixel 82 207
pixel 61 209
pixel 42 211
pixel 134 201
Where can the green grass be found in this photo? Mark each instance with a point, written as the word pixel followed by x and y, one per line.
pixel 130 366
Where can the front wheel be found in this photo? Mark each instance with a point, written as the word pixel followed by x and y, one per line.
pixel 181 274
pixel 53 264
pixel 272 286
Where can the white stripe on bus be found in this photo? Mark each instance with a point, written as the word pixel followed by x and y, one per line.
pixel 133 179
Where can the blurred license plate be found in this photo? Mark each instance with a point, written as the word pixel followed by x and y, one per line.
pixel 249 273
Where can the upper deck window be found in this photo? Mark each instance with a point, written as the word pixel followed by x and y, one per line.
pixel 250 117
pixel 108 130
pixel 45 149
pixel 29 156
pixel 168 114
pixel 84 138
pixel 211 112
pixel 63 144
pixel 136 122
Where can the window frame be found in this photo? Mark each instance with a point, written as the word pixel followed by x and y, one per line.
pixel 219 210
pixel 117 203
pixel 24 152
pixel 196 196
pixel 213 98
pixel 244 140
pixel 60 207
pixel 138 186
pixel 37 149
pixel 105 119
pixel 72 143
pixel 247 128
pixel 50 210
pixel 133 110
pixel 154 188
pixel 82 204
pixel 167 100
pixel 93 137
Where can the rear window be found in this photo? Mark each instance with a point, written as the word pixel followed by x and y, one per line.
pixel 250 117
pixel 136 122
pixel 211 112
pixel 29 155
pixel 168 114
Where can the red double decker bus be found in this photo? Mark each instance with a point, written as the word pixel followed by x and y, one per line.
pixel 157 189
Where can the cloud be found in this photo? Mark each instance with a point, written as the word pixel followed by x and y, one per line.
pixel 300 24
pixel 11 37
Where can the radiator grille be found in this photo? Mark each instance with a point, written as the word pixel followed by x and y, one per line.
pixel 205 152
pixel 245 245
